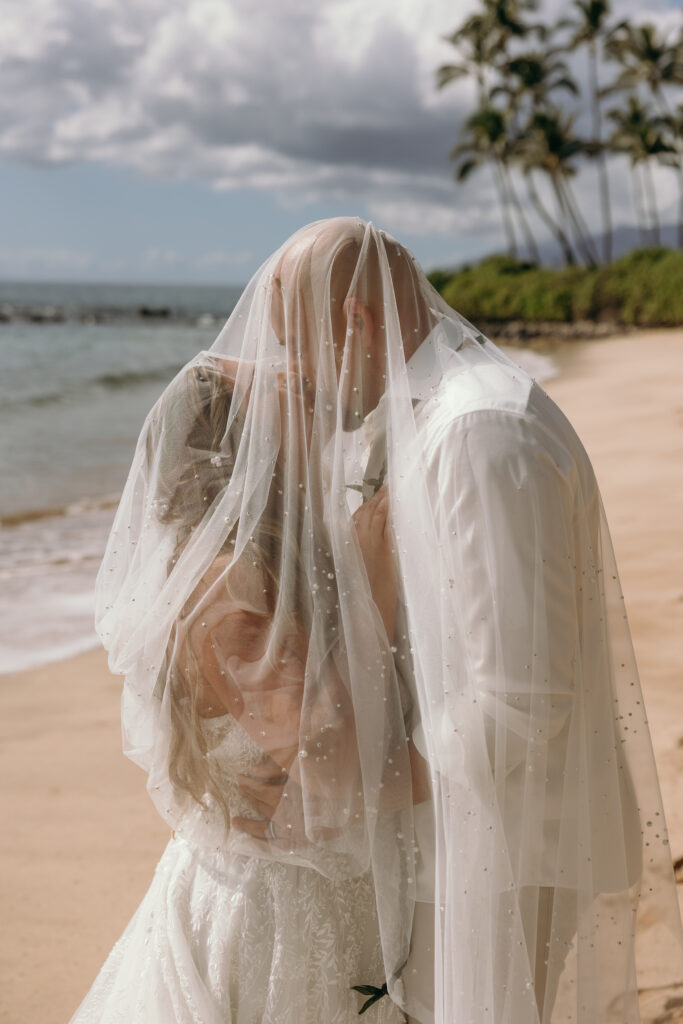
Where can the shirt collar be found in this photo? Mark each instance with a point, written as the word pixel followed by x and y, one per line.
pixel 429 362
pixel 425 369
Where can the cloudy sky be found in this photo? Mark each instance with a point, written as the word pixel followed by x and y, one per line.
pixel 184 140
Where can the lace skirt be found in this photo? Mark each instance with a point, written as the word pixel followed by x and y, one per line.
pixel 256 942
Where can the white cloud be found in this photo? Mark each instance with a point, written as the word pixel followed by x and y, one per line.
pixel 155 263
pixel 218 259
pixel 38 262
pixel 155 258
pixel 312 101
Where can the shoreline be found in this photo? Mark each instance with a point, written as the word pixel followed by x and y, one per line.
pixel 84 837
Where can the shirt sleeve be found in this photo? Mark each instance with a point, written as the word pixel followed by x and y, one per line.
pixel 504 501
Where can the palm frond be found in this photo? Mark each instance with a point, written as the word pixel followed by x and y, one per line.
pixel 463 172
pixel 450 73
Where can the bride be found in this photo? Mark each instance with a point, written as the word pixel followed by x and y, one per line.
pixel 378 672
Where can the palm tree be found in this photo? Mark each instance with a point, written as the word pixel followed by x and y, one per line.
pixel 484 142
pixel 640 136
pixel 674 128
pixel 587 30
pixel 506 18
pixel 483 38
pixel 647 57
pixel 481 43
pixel 475 46
pixel 549 145
pixel 531 78
pixel 528 81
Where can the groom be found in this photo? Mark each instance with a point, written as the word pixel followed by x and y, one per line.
pixel 428 347
pixel 477 412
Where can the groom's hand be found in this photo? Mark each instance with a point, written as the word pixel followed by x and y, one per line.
pixel 375 538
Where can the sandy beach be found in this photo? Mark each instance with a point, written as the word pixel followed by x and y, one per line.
pixel 82 837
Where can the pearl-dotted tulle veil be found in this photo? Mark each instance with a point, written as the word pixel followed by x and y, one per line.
pixel 233 582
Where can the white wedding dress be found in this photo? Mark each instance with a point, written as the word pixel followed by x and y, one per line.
pixel 221 938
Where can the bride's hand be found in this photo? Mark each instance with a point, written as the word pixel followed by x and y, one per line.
pixel 281 821
pixel 373 530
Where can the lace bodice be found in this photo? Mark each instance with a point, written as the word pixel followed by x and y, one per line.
pixel 231 752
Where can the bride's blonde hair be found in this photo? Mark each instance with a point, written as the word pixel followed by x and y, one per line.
pixel 196 487
pixel 190 770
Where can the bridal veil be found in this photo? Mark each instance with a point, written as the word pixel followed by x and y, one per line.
pixel 511 889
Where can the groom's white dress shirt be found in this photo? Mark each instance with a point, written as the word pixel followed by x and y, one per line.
pixel 512 432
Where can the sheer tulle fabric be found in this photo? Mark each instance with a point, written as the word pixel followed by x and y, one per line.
pixel 234 588
pixel 222 938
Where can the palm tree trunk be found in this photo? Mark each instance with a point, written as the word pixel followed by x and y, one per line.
pixel 507 221
pixel 643 226
pixel 678 142
pixel 481 86
pixel 526 227
pixel 566 211
pixel 652 199
pixel 602 161
pixel 580 222
pixel 552 224
pixel 583 242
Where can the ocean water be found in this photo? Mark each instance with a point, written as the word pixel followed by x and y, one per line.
pixel 80 367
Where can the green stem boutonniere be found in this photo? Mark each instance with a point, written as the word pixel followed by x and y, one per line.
pixel 375 484
pixel 373 992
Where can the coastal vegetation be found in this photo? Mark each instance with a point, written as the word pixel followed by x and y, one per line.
pixel 643 288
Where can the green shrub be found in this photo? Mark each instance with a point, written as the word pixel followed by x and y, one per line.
pixel 439 278
pixel 643 288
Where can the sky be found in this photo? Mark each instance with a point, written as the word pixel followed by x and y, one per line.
pixel 185 140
